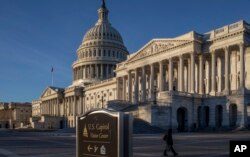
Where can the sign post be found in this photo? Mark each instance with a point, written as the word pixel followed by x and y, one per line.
pixel 100 133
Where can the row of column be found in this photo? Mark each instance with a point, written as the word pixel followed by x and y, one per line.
pixel 227 69
pixel 101 53
pixel 190 80
pixel 50 107
pixel 99 71
pixel 73 105
pixel 143 81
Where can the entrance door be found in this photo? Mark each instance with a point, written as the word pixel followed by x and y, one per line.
pixel 206 116
pixel 182 119
pixel 218 115
pixel 233 115
pixel 61 124
pixel 6 125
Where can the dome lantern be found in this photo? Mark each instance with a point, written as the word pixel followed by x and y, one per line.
pixel 103 14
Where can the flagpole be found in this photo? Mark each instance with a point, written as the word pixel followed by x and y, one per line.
pixel 52 76
pixel 52 79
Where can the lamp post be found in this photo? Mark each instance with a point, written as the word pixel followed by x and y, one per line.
pixel 102 101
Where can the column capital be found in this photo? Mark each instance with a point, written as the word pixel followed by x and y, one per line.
pixel 129 71
pixel 136 69
pixel 212 52
pixel 192 53
pixel 226 48
pixel 200 56
pixel 181 56
pixel 241 44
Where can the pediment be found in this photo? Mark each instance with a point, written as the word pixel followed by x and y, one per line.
pixel 155 46
pixel 50 91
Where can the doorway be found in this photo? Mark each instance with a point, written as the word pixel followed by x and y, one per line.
pixel 182 119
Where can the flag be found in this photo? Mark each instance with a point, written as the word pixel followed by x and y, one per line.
pixel 52 69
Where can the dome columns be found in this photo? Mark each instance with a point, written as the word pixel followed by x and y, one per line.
pixel 93 72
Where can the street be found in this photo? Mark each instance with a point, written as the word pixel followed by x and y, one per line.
pixel 52 144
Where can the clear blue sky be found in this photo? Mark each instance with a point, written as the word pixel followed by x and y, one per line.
pixel 38 34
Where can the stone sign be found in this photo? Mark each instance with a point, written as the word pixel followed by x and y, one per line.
pixel 100 134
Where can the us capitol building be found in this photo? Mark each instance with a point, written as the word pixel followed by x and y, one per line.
pixel 193 81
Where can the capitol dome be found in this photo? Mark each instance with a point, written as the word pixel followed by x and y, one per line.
pixel 103 31
pixel 101 49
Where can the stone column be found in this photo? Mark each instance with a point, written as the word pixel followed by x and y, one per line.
pixel 161 83
pixel 213 73
pixel 101 71
pixel 76 74
pixel 181 72
pixel 124 87
pixel 170 74
pixel 192 76
pixel 136 87
pixel 143 86
pixel 74 105
pixel 107 71
pixel 227 60
pixel 87 71
pixel 92 71
pixel 119 93
pixel 112 71
pixel 188 76
pixel 152 81
pixel 242 67
pixel 129 86
pixel 96 71
pixel 201 77
pixel 83 72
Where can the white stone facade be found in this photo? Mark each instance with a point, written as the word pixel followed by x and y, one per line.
pixel 193 81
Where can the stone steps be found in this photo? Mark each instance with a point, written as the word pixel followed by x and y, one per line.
pixel 142 127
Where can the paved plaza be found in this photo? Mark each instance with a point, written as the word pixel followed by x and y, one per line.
pixel 48 144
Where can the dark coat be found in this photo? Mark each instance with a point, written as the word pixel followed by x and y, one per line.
pixel 168 137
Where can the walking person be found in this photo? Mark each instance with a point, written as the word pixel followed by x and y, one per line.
pixel 168 138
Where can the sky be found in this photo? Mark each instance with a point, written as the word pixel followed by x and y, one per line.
pixel 36 35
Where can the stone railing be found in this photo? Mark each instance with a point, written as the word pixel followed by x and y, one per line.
pixel 219 94
pixel 120 65
pixel 100 82
pixel 226 29
pixel 164 95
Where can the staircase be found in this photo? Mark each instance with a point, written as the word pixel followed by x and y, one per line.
pixel 143 127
